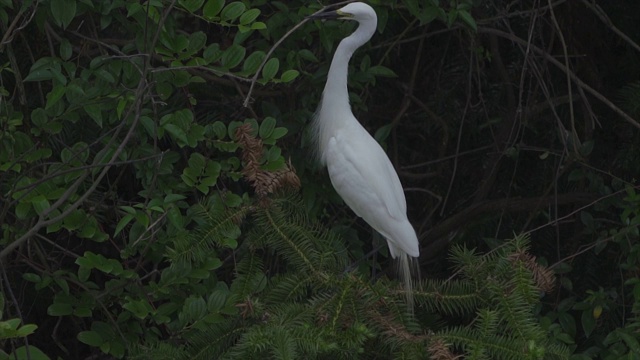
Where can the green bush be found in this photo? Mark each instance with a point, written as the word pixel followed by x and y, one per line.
pixel 146 212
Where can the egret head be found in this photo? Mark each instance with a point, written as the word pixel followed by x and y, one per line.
pixel 357 11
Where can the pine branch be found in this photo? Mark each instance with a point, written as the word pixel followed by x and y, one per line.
pixel 543 277
pixel 216 226
pixel 450 297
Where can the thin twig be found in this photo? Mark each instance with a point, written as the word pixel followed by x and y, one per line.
pixel 254 79
pixel 574 132
pixel 573 76
pixel 455 161
pixel 9 34
pixel 605 19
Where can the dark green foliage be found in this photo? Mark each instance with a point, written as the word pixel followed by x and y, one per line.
pixel 313 308
pixel 131 226
pixel 503 296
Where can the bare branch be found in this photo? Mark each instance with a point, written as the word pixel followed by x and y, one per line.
pixel 558 64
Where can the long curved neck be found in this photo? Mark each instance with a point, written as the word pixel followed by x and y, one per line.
pixel 337 77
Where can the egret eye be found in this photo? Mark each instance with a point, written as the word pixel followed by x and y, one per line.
pixel 358 167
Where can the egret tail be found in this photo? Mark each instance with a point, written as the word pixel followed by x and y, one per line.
pixel 409 273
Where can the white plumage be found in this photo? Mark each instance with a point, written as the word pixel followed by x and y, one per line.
pixel 360 170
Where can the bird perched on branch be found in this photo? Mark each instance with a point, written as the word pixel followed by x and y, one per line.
pixel 360 170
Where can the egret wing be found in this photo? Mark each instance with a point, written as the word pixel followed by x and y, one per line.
pixel 376 173
pixel 362 174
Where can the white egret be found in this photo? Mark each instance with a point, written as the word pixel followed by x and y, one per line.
pixel 360 170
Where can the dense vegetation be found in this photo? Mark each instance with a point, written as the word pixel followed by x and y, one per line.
pixel 159 200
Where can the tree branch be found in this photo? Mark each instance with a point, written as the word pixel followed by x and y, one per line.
pixel 440 235
pixel 558 64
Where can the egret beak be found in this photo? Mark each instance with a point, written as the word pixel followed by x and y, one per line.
pixel 330 15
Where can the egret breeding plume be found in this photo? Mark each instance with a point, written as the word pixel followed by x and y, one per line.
pixel 360 170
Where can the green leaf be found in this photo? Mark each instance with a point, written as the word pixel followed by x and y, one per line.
pixel 122 103
pixel 588 322
pixel 40 204
pixel 279 132
pixel 466 18
pixel 191 5
pixel 232 11
pixel 199 274
pixel 253 61
pixel 65 49
pixel 32 353
pixel 74 220
pixel 274 153
pixel 202 188
pixel 431 13
pixel 54 96
pixel 84 273
pixel 90 338
pixel 231 129
pixel 383 71
pixel 230 243
pixel 308 55
pixel 212 53
pixel 173 198
pixel 27 330
pixel 212 171
pixel 383 132
pixel 12 324
pixel 233 56
pixel 276 165
pixel 270 69
pixel 258 25
pixel 267 127
pixel 451 18
pixel 289 75
pixel 39 75
pixel 22 210
pixel 87 261
pixel 188 179
pixel 63 284
pixel 95 112
pixel 217 300
pixel 177 133
pixel 60 309
pixel 139 308
pixel 587 219
pixel 197 41
pixel 175 217
pixel 629 339
pixel 122 223
pixel 212 264
pixel 197 162
pixel 83 311
pixel 586 148
pixel 567 323
pixel 63 11
pixel 212 8
pixel 576 175
pixel 219 129
pixel 35 278
pixel 105 75
pixel 232 200
pixel 39 117
pixel 249 16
